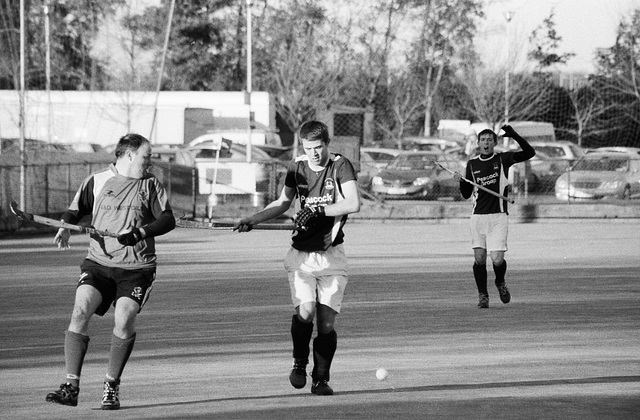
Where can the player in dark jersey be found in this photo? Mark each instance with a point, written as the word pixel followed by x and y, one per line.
pixel 489 221
pixel 326 189
pixel 128 200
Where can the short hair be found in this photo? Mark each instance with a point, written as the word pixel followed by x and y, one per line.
pixel 314 130
pixel 489 131
pixel 131 142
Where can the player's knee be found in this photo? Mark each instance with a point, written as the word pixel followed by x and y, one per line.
pixel 325 327
pixel 306 313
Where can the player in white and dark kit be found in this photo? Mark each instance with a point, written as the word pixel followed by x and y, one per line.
pixel 123 199
pixel 489 221
pixel 326 188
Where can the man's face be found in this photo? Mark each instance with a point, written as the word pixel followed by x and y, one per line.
pixel 141 161
pixel 486 143
pixel 317 151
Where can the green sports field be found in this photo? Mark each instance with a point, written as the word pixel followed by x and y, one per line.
pixel 213 341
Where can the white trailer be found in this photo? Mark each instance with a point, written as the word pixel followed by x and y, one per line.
pixel 101 117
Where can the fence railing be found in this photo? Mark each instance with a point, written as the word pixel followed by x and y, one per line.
pixel 50 187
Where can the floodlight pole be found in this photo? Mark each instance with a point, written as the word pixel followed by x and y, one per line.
pixel 47 68
pixel 508 16
pixel 249 76
pixel 23 180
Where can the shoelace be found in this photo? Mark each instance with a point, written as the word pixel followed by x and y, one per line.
pixel 110 393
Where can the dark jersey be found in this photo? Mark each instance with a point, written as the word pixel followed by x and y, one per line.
pixel 492 173
pixel 319 189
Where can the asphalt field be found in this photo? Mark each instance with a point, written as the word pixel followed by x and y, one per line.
pixel 213 341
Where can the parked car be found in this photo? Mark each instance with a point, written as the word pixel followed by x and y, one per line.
pixel 414 175
pixel 179 155
pixel 232 174
pixel 429 143
pixel 562 149
pixel 372 160
pixel 618 149
pixel 601 175
pixel 542 172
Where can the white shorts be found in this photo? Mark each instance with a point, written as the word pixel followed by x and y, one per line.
pixel 489 231
pixel 317 276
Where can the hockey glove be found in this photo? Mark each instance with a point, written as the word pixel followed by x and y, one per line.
pixel 130 238
pixel 306 216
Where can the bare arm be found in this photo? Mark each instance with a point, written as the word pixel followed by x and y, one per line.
pixel 350 203
pixel 271 211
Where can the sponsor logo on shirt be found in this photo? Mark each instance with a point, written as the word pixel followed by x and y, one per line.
pixel 489 179
pixel 325 199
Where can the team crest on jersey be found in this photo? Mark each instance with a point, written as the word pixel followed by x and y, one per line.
pixel 109 193
pixel 137 292
pixel 329 184
pixel 143 195
pixel 496 166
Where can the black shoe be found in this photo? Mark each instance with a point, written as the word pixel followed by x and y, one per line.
pixel 505 296
pixel 66 395
pixel 298 375
pixel 483 300
pixel 321 387
pixel 110 395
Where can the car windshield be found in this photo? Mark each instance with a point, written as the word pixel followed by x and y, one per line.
pixel 603 164
pixel 552 151
pixel 413 162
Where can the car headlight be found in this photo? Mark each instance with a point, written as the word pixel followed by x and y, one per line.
pixel 561 183
pixel 421 181
pixel 611 185
pixel 376 180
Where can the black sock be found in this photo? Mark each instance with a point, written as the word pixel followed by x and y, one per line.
pixel 480 275
pixel 301 336
pixel 500 271
pixel 324 347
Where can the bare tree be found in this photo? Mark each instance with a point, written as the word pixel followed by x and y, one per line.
pixel 447 29
pixel 588 108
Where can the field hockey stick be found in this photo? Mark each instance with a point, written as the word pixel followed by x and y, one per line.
pixel 480 187
pixel 23 215
pixel 196 224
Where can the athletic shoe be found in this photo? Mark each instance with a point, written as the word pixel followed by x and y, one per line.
pixel 110 395
pixel 505 296
pixel 321 387
pixel 298 375
pixel 484 301
pixel 66 395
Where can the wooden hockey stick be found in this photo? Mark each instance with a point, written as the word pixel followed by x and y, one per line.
pixel 196 224
pixel 480 187
pixel 23 215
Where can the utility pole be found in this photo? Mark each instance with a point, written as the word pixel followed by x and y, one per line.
pixel 247 99
pixel 508 15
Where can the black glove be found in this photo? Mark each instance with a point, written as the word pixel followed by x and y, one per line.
pixel 243 226
pixel 509 131
pixel 305 216
pixel 130 238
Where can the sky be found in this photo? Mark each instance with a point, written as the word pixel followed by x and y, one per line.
pixel 583 25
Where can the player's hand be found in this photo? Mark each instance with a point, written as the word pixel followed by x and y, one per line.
pixel 509 131
pixel 244 225
pixel 307 215
pixel 457 176
pixel 130 238
pixel 62 238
